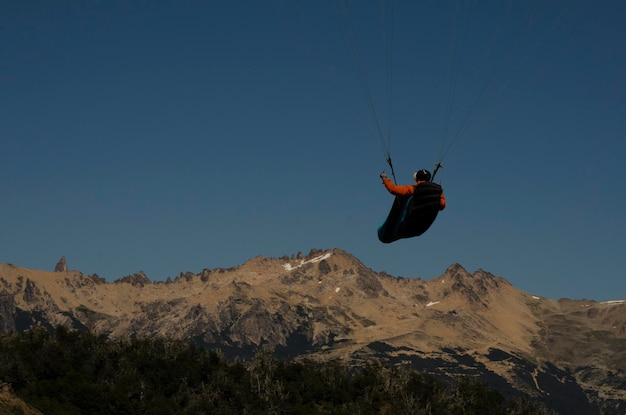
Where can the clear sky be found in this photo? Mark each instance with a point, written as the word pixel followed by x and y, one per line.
pixel 174 136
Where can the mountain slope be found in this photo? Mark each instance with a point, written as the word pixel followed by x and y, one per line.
pixel 327 304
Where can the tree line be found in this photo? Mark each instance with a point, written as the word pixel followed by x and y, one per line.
pixel 69 372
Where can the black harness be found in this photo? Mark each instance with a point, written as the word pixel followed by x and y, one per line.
pixel 421 211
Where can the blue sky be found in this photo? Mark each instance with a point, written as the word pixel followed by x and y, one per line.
pixel 175 136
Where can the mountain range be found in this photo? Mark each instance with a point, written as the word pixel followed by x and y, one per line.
pixel 568 354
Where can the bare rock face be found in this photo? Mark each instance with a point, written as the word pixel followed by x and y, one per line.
pixel 32 294
pixel 370 284
pixel 7 312
pixel 61 266
pixel 138 279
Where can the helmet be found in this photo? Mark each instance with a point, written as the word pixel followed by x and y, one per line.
pixel 421 175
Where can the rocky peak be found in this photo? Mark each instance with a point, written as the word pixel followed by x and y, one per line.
pixel 476 287
pixel 457 272
pixel 138 279
pixel 61 266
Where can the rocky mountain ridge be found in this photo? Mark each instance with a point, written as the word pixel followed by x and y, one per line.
pixel 327 304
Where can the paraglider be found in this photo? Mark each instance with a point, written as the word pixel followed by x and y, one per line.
pixel 414 209
pixel 416 206
pixel 493 47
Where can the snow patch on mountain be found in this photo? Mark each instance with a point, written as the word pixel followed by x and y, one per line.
pixel 610 302
pixel 319 258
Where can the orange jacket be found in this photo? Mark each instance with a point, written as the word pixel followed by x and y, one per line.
pixel 408 190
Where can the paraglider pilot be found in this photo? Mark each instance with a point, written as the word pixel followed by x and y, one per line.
pixel 415 208
pixel 421 176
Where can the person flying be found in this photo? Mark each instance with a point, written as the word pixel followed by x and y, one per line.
pixel 415 208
